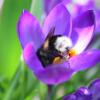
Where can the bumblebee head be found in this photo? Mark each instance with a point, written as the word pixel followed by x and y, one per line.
pixel 62 44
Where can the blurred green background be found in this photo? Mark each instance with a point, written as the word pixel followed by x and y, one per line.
pixel 16 80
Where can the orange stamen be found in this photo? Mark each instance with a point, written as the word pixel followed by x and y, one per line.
pixel 72 53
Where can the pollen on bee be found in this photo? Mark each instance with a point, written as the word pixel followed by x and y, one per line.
pixel 69 54
pixel 57 60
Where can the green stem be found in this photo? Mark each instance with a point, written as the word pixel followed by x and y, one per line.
pixel 23 72
pixel 49 95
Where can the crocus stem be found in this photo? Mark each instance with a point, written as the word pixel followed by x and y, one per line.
pixel 49 95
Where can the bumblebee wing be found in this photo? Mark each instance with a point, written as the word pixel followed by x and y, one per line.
pixel 50 34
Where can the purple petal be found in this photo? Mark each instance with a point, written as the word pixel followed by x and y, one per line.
pixel 59 18
pixel 29 30
pixel 81 94
pixel 97 13
pixel 77 7
pixel 83 91
pixel 69 97
pixel 31 58
pixel 95 89
pixel 83 27
pixel 55 74
pixel 85 60
pixel 49 4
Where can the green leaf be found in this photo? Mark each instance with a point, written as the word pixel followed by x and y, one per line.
pixel 12 85
pixel 37 8
pixel 10 49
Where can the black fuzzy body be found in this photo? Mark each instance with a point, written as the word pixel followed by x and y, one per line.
pixel 47 56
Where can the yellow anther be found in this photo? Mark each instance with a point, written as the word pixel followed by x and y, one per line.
pixel 71 53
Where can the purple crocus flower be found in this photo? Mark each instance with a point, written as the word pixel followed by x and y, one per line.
pixel 75 7
pixel 32 37
pixel 92 92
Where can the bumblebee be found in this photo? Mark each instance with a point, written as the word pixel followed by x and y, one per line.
pixel 55 49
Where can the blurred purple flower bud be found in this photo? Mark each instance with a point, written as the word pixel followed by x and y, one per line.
pixel 84 93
